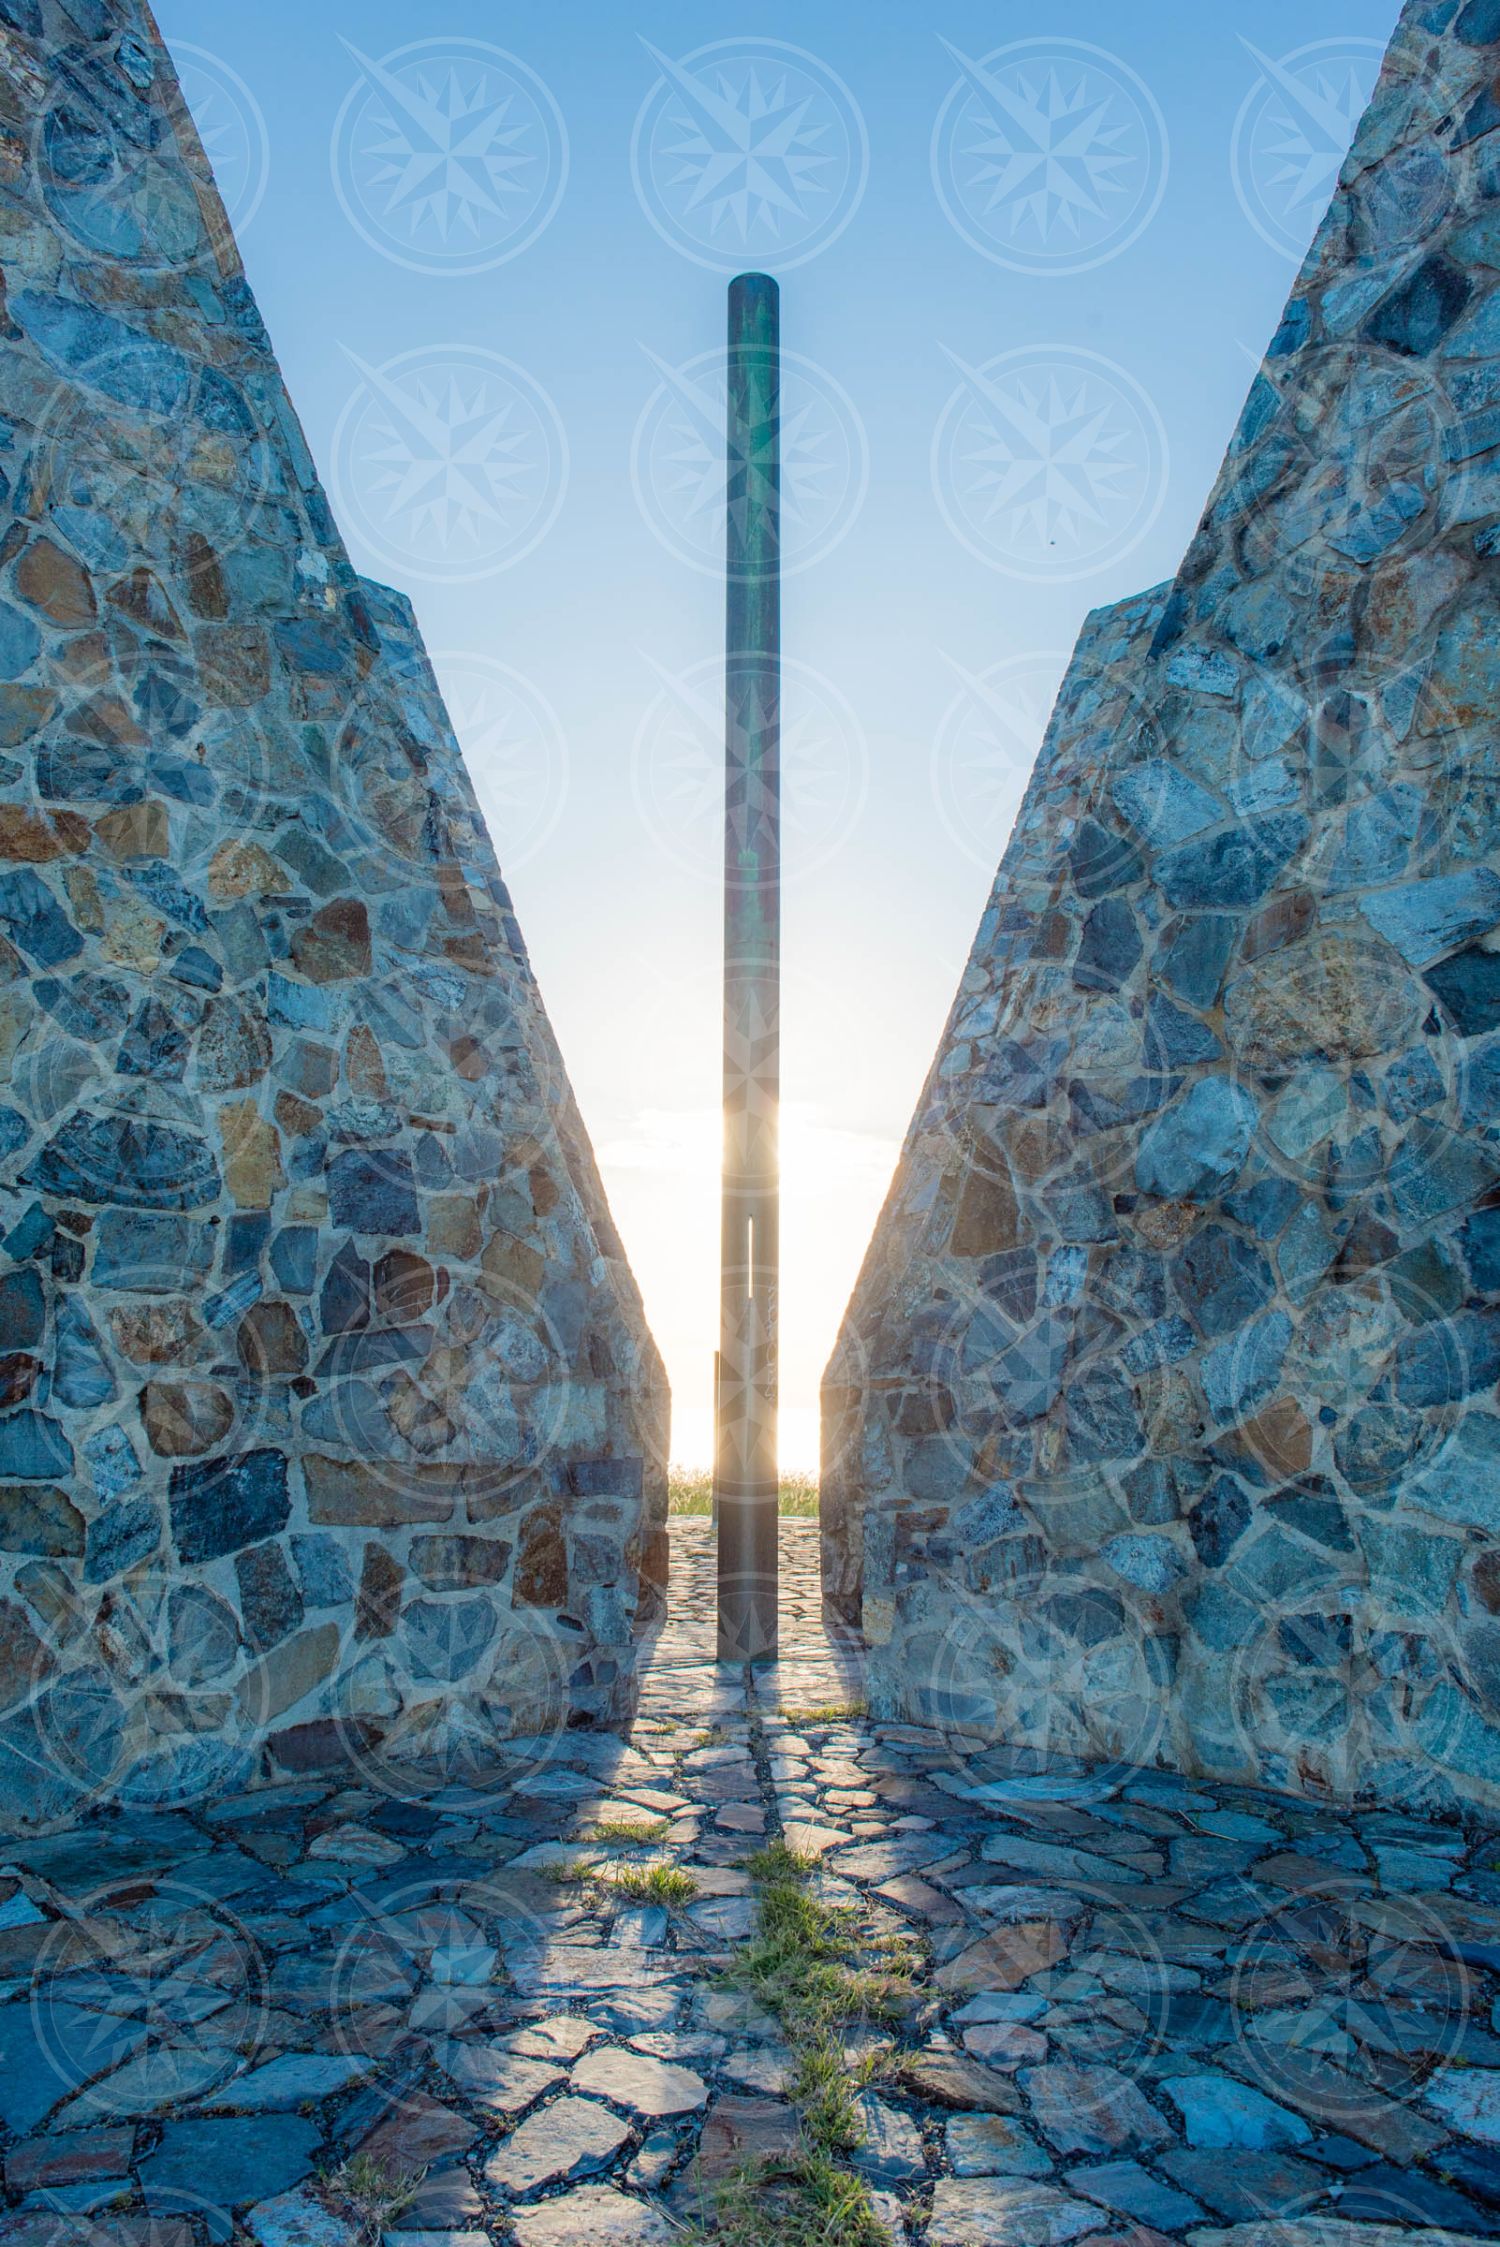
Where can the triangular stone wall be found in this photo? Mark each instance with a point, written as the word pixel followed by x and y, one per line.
pixel 1162 1427
pixel 331 1425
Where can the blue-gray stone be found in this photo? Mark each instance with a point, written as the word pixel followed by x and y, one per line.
pixel 299 1006
pixel 170 895
pixel 1414 318
pixel 1163 804
pixel 1448 1359
pixel 1103 861
pixel 130 1161
pixel 1234 867
pixel 1481 1245
pixel 33 1448
pixel 156 1045
pixel 1197 956
pixel 212 2168
pixel 323 1569
pixel 221 1505
pixel 1218 2110
pixel 88 1007
pixel 81 1377
pixel 1425 920
pixel 23 1313
pixel 1242 1373
pixel 294 1259
pixel 20 642
pixel 112 1463
pixel 1222 1280
pixel 119 361
pixel 1109 948
pixel 34 919
pixel 1219 1521
pixel 143 1254
pixel 1198 1148
pixel 1468 987
pixel 373 1193
pixel 1176 1039
pixel 122 1536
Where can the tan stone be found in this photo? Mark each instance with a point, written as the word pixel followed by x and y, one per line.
pixel 364 1069
pixel 50 580
pixel 23 712
pixel 104 717
pixel 141 597
pixel 297 1118
pixel 1005 1959
pixel 510 1260
pixel 156 1333
pixel 84 898
pixel 288 1673
pixel 240 869
pixel 184 1419
pixel 348 1493
pixel 24 835
pixel 334 946
pixel 378 1603
pixel 136 830
pixel 134 935
pixel 252 1155
pixel 541 1578
pixel 987 1219
pixel 1334 995
pixel 234 665
pixel 1280 1437
pixel 453 1226
pixel 271 1341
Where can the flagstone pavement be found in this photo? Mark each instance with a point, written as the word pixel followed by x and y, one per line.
pixel 1149 2009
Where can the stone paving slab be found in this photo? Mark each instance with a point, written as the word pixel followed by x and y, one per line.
pixel 1150 2010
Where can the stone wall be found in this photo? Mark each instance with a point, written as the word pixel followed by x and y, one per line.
pixel 1162 1426
pixel 330 1420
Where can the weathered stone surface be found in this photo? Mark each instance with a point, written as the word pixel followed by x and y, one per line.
pixel 279 1074
pixel 567 2139
pixel 1002 2212
pixel 1222 1041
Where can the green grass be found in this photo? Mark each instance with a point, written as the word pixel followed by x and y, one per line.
pixel 828 1712
pixel 690 1490
pixel 628 1830
pixel 801 1966
pixel 650 1884
pixel 369 2196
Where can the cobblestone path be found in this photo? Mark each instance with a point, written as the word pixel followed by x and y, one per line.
pixel 1144 2010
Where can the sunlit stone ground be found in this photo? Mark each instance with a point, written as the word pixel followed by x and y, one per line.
pixel 1149 2009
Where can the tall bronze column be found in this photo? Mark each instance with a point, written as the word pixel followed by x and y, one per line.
pixel 745 1470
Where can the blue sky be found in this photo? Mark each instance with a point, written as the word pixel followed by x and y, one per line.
pixel 1028 295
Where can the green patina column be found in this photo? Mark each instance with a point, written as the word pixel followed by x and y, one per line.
pixel 745 1469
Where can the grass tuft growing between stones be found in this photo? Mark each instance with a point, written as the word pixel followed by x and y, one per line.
pixel 367 2195
pixel 804 1966
pixel 827 1712
pixel 628 1830
pixel 668 1885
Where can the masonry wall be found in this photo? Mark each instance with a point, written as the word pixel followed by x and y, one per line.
pixel 329 1422
pixel 1162 1426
